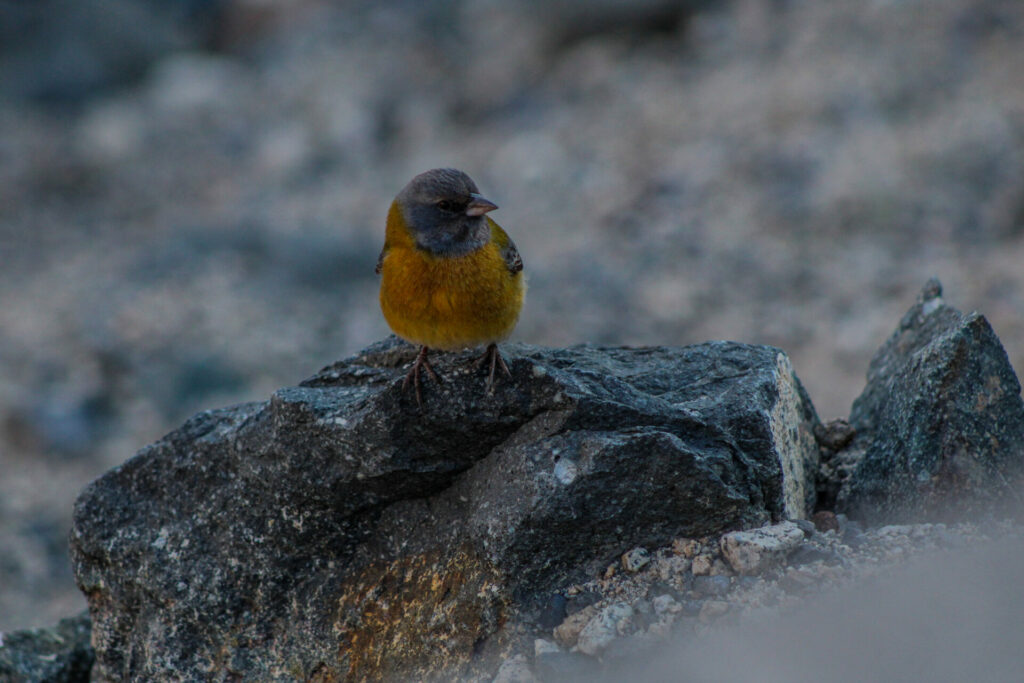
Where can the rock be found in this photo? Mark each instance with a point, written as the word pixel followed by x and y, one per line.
pixel 806 526
pixel 754 551
pixel 568 632
pixel 940 424
pixel 604 627
pixel 701 565
pixel 553 612
pixel 670 568
pixel 542 646
pixel 636 559
pixel 339 530
pixel 835 435
pixel 687 547
pixel 666 604
pixel 515 669
pixel 61 654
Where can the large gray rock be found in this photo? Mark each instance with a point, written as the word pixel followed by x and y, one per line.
pixel 338 532
pixel 61 654
pixel 940 424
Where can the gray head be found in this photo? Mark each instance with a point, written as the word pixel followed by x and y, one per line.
pixel 445 212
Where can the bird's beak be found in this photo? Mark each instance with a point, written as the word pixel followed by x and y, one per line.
pixel 478 205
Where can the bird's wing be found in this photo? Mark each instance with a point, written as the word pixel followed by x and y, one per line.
pixel 380 260
pixel 507 248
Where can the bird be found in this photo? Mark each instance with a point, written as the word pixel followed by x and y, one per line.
pixel 451 278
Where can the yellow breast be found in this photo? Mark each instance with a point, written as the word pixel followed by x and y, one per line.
pixel 448 303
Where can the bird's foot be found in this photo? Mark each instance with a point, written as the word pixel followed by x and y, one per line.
pixel 414 374
pixel 492 357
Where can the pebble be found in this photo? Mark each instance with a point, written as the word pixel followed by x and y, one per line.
pixel 567 633
pixel 553 613
pixel 668 568
pixel 666 604
pixel 702 565
pixel 687 547
pixel 603 628
pixel 754 551
pixel 515 670
pixel 808 527
pixel 636 559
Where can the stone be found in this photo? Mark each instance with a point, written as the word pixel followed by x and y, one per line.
pixel 701 565
pixel 604 627
pixel 515 669
pixel 553 612
pixel 568 632
pixel 61 654
pixel 687 547
pixel 756 550
pixel 542 646
pixel 636 559
pixel 672 567
pixel 806 525
pixel 940 424
pixel 666 604
pixel 339 530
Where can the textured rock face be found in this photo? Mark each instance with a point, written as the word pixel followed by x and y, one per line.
pixel 337 532
pixel 940 424
pixel 61 654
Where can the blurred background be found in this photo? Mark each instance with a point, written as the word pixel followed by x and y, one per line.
pixel 192 196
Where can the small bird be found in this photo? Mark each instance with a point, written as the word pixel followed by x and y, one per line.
pixel 451 278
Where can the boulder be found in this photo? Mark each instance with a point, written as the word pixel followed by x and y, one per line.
pixel 940 425
pixel 340 532
pixel 61 654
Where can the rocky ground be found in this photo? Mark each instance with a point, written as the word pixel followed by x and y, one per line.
pixel 667 605
pixel 198 226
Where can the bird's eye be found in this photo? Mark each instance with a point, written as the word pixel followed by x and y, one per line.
pixel 446 205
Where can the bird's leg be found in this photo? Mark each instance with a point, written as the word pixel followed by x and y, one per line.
pixel 414 374
pixel 493 357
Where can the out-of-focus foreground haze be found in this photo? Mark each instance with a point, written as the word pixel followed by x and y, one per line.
pixel 192 196
pixel 947 617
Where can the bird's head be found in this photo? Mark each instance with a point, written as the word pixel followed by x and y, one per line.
pixel 445 212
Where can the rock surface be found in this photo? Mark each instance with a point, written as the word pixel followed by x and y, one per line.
pixel 940 424
pixel 752 552
pixel 61 654
pixel 337 532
